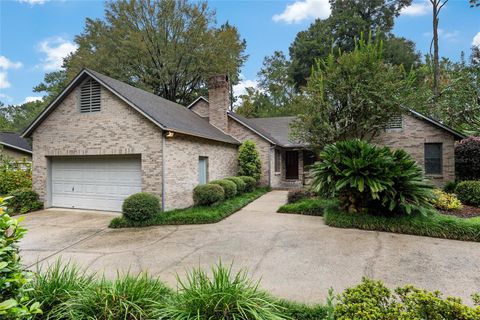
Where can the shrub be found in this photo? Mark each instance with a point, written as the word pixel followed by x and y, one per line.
pixel 295 195
pixel 11 180
pixel 224 296
pixel 467 159
pixel 469 192
pixel 207 194
pixel 59 283
pixel 450 186
pixel 241 186
pixel 127 297
pixel 249 163
pixel 309 207
pixel 372 300
pixel 23 201
pixel 140 206
pixel 15 301
pixel 228 186
pixel 445 201
pixel 250 183
pixel 365 178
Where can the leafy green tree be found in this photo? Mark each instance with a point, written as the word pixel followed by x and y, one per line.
pixel 350 96
pixel 167 47
pixel 249 163
pixel 17 117
pixel 349 18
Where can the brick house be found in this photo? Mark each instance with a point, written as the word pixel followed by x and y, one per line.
pixel 101 140
pixel 13 146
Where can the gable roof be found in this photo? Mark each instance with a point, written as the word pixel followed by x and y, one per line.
pixel 196 100
pixel 457 135
pixel 166 114
pixel 15 141
pixel 275 130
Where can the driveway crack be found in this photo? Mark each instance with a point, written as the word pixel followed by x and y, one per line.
pixel 369 267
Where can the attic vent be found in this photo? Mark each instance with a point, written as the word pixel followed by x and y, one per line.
pixel 90 96
pixel 395 123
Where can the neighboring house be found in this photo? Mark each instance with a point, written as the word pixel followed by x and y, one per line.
pixel 101 140
pixel 15 147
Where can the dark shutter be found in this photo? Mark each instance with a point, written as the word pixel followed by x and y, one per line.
pixel 90 96
pixel 433 158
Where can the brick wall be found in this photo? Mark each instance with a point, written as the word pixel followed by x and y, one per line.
pixel 14 154
pixel 117 129
pixel 201 108
pixel 242 134
pixel 219 101
pixel 412 137
pixel 181 166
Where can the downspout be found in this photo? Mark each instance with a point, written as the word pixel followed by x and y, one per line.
pixel 163 170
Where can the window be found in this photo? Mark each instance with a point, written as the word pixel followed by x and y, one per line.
pixel 395 123
pixel 433 158
pixel 202 170
pixel 278 161
pixel 90 96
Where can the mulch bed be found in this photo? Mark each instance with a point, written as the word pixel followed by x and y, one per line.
pixel 465 212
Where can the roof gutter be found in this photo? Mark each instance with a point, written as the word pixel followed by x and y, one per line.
pixel 15 147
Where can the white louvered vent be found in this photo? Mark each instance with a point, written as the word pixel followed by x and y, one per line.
pixel 90 96
pixel 395 123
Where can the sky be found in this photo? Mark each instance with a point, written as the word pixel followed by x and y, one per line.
pixel 36 34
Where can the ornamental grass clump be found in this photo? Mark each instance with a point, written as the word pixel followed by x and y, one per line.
pixel 371 179
pixel 224 295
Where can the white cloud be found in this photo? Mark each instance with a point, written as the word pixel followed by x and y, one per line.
pixel 5 63
pixel 55 49
pixel 451 36
pixel 417 9
pixel 241 88
pixel 3 80
pixel 33 2
pixel 303 10
pixel 476 40
pixel 5 97
pixel 31 99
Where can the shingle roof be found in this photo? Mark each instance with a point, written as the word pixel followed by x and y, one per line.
pixel 166 114
pixel 15 141
pixel 276 130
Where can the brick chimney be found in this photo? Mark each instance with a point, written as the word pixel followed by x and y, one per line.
pixel 219 101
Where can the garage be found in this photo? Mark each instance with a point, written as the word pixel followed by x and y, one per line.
pixel 94 182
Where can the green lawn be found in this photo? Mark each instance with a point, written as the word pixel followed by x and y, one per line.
pixel 435 225
pixel 310 206
pixel 194 215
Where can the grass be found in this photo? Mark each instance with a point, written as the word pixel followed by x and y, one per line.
pixel 194 215
pixel 434 225
pixel 309 206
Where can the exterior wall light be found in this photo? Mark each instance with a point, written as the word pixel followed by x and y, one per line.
pixel 170 134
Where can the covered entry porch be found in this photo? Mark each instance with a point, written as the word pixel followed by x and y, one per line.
pixel 290 167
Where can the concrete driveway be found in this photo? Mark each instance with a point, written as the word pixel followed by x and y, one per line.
pixel 296 257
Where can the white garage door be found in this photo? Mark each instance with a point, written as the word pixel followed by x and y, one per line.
pixel 94 183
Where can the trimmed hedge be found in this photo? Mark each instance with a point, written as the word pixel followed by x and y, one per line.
pixel 469 192
pixel 241 186
pixel 140 206
pixel 229 187
pixel 433 225
pixel 250 183
pixel 23 201
pixel 467 159
pixel 208 194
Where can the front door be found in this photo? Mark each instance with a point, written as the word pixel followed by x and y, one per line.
pixel 291 165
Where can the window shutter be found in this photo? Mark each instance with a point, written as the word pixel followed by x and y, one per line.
pixel 395 123
pixel 90 96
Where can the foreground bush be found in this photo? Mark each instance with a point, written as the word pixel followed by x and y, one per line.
pixel 223 296
pixel 250 183
pixel 11 180
pixel 467 159
pixel 241 186
pixel 310 206
pixel 140 206
pixel 365 177
pixel 23 201
pixel 469 192
pixel 208 194
pixel 372 300
pixel 15 300
pixel 249 163
pixel 432 225
pixel 445 201
pixel 229 187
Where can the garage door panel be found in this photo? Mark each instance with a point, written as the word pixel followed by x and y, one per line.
pixel 100 184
